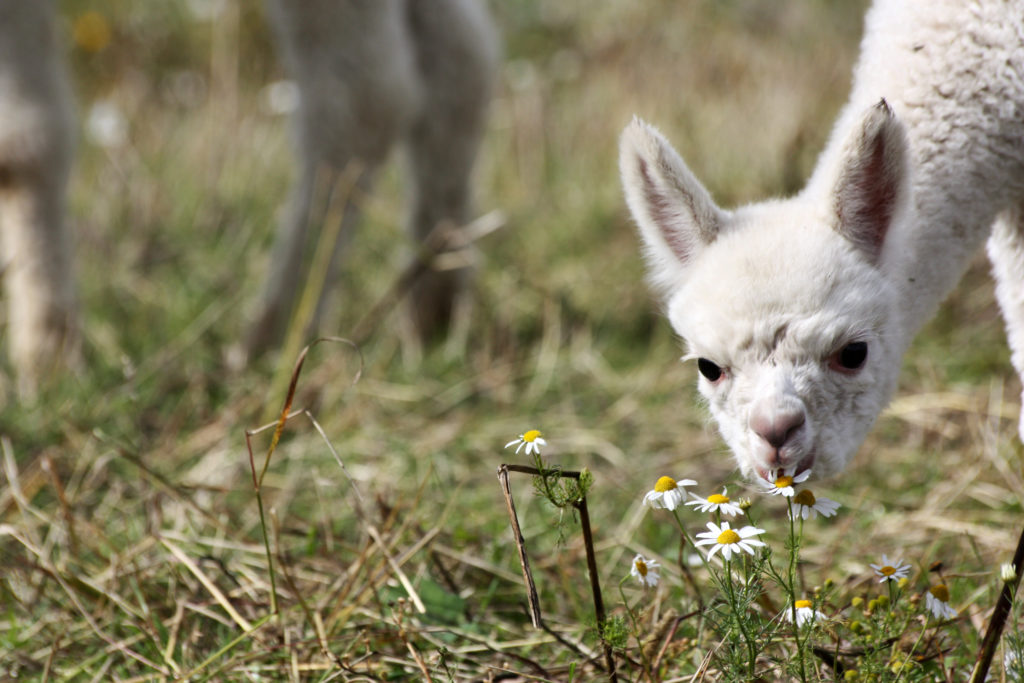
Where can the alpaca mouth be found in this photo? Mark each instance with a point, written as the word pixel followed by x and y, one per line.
pixel 803 465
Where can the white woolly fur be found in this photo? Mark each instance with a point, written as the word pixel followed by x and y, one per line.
pixel 925 163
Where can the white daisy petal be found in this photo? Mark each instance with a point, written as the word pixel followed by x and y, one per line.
pixel 730 541
pixel 667 493
pixel 890 570
pixel 807 506
pixel 805 613
pixel 937 602
pixel 717 502
pixel 780 482
pixel 645 571
pixel 530 439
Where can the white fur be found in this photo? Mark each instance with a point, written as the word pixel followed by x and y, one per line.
pixel 904 193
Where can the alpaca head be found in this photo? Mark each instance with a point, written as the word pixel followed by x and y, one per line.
pixel 787 306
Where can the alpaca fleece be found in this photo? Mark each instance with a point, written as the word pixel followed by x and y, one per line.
pixel 802 308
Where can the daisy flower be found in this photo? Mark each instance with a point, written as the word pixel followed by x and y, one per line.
pixel 780 482
pixel 716 502
pixel 1007 572
pixel 729 540
pixel 1011 662
pixel 531 439
pixel 645 571
pixel 668 493
pixel 890 570
pixel 805 613
pixel 937 602
pixel 806 506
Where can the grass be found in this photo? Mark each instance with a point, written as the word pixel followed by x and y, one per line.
pixel 131 534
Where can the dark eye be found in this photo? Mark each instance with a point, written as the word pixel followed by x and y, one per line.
pixel 711 372
pixel 849 358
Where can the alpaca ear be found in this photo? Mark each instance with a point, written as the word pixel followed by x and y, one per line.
pixel 676 215
pixel 873 181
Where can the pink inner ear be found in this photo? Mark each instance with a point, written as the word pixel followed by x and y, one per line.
pixel 868 193
pixel 873 210
pixel 665 215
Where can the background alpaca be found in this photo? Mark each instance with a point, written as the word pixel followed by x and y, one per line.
pixel 369 74
pixel 36 124
pixel 799 311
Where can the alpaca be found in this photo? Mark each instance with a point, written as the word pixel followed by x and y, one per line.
pixel 371 74
pixel 36 140
pixel 798 311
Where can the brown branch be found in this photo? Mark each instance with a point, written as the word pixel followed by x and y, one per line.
pixel 595 585
pixel 588 544
pixel 524 560
pixel 1002 610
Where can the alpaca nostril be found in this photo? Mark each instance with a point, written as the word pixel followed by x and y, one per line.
pixel 779 428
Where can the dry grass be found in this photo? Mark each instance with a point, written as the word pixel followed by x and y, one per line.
pixel 130 531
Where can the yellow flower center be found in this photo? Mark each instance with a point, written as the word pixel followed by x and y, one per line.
pixel 665 484
pixel 800 604
pixel 940 591
pixel 887 570
pixel 728 537
pixel 641 567
pixel 805 497
pixel 783 481
pixel 531 435
pixel 718 498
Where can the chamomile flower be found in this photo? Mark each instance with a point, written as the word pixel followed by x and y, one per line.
pixel 891 570
pixel 716 502
pixel 780 482
pixel 805 613
pixel 807 506
pixel 645 571
pixel 667 493
pixel 1007 572
pixel 937 601
pixel 729 540
pixel 1012 663
pixel 531 439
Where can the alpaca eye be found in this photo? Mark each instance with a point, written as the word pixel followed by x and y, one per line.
pixel 850 358
pixel 711 372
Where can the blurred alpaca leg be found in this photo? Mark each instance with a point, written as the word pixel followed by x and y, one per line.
pixel 456 56
pixel 35 157
pixel 354 69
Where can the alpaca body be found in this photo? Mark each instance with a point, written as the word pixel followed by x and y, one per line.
pixel 800 310
pixel 956 82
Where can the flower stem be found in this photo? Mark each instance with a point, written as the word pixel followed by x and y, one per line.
pixel 794 547
pixel 636 630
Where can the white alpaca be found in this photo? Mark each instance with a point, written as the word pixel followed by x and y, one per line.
pixel 36 140
pixel 372 73
pixel 799 311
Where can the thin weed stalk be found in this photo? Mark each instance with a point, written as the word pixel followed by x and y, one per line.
pixel 998 622
pixel 580 504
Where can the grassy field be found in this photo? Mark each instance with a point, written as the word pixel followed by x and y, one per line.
pixel 133 545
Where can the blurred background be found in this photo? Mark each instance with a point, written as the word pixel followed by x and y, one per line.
pixel 183 163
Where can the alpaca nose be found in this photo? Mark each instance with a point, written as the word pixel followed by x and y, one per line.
pixel 777 427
